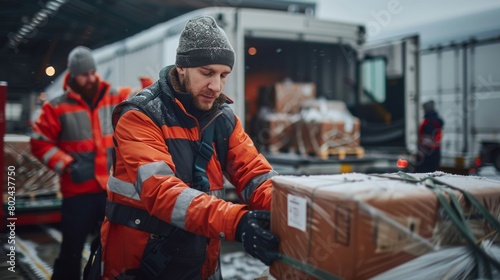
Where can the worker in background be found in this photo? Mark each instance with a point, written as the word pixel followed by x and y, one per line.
pixel 174 142
pixel 73 137
pixel 429 140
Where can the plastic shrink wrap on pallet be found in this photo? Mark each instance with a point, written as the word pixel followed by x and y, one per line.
pixel 358 226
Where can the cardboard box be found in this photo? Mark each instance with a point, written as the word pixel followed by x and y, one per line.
pixel 287 97
pixel 276 132
pixel 356 226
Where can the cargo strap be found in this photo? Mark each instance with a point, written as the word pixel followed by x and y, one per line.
pixel 137 219
pixel 205 152
pixel 454 211
pixel 483 211
pixel 306 268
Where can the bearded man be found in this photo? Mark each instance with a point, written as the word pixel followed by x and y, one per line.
pixel 73 137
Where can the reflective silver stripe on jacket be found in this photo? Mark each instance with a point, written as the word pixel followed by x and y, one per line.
pixel 218 193
pixel 181 205
pixel 254 184
pixel 41 137
pixel 146 171
pixel 46 157
pixel 122 188
pixel 76 125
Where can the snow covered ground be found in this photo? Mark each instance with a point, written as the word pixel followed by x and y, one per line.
pixel 240 266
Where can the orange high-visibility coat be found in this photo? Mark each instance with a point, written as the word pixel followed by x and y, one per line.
pixel 69 130
pixel 155 145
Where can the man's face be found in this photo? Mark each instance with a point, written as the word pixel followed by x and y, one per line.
pixel 87 80
pixel 204 83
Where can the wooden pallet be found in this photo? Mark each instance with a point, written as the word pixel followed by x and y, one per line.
pixel 342 152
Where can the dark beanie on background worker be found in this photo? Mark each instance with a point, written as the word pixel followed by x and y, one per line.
pixel 203 42
pixel 428 106
pixel 80 60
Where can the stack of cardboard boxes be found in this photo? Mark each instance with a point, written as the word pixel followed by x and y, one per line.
pixel 327 128
pixel 292 119
pixel 279 114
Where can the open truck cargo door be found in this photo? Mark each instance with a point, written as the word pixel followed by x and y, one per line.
pixel 293 61
pixel 317 58
pixel 278 47
pixel 387 101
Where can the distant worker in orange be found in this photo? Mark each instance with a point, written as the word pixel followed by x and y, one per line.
pixel 175 141
pixel 430 134
pixel 73 137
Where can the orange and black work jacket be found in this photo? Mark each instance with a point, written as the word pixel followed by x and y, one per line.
pixel 69 130
pixel 431 131
pixel 156 142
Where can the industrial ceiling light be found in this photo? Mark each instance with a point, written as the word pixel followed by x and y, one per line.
pixel 50 71
pixel 29 29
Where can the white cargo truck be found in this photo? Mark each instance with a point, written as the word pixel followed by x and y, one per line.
pixel 464 81
pixel 379 85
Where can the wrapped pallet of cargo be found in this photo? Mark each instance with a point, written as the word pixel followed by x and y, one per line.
pixel 279 105
pixel 37 195
pixel 275 132
pixel 328 129
pixel 358 226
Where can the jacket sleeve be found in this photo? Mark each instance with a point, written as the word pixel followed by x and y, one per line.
pixel 125 92
pixel 248 170
pixel 141 146
pixel 44 138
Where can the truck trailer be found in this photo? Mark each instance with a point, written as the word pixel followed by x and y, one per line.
pixel 463 78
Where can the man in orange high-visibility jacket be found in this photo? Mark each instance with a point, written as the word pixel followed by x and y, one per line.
pixel 161 222
pixel 73 137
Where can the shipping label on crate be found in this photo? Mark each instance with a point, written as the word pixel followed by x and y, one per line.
pixel 297 212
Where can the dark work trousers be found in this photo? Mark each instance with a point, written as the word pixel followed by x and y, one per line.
pixel 80 216
pixel 427 160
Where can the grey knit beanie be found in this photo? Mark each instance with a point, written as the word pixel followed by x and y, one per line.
pixel 80 60
pixel 203 42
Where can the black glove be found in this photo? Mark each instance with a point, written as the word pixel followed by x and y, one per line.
pixel 253 232
pixel 81 170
